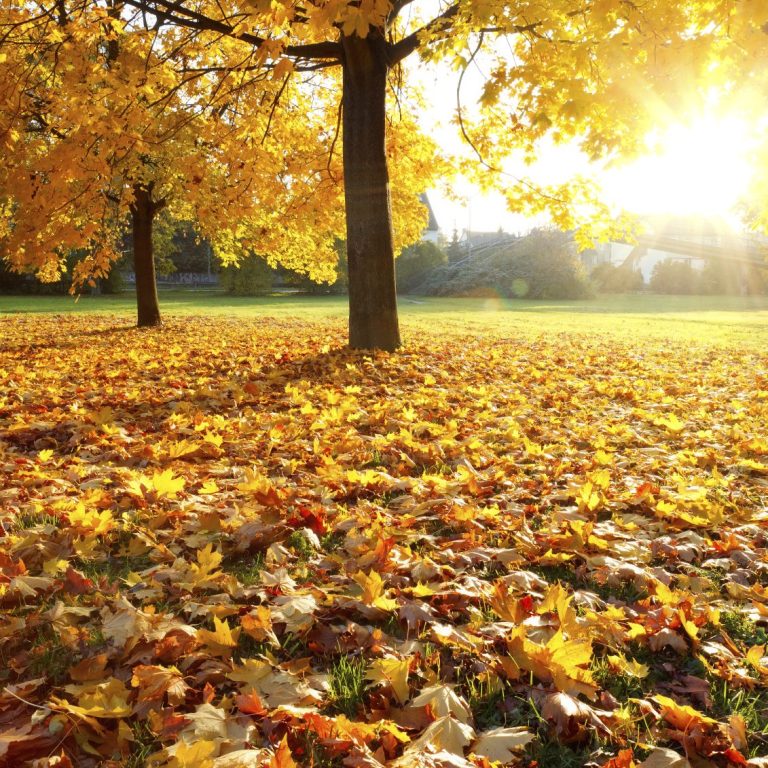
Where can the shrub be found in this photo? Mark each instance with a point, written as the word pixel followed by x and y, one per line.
pixel 415 263
pixel 27 282
pixel 609 278
pixel 674 276
pixel 728 277
pixel 252 277
pixel 542 265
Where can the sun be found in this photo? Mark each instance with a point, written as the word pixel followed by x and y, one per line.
pixel 699 168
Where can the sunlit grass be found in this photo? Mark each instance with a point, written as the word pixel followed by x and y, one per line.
pixel 716 319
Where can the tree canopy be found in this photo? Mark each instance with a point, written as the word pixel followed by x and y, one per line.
pixel 102 107
pixel 259 86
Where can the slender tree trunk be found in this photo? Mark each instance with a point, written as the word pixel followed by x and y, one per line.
pixel 143 211
pixel 370 251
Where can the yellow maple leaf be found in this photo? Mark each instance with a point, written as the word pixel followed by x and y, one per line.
pixel 108 699
pixel 197 755
pixel 443 700
pixel 501 744
pixel 391 672
pixel 680 716
pixel 222 640
pixel 252 672
pixel 208 561
pixel 755 656
pixel 258 624
pixel 671 423
pixel 213 439
pixel 557 600
pixel 181 448
pixel 209 487
pixel 165 484
pixel 445 733
pixel 373 591
pixel 95 522
pixel 621 664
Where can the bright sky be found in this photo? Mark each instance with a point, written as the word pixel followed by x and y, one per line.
pixel 701 168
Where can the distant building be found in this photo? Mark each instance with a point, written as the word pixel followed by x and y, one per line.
pixel 691 239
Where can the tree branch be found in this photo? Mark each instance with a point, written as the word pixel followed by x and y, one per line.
pixel 410 43
pixel 397 6
pixel 175 12
pixel 443 24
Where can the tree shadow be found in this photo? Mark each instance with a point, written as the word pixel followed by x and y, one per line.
pixel 69 433
pixel 72 339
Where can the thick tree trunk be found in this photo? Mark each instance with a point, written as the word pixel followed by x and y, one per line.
pixel 370 252
pixel 143 211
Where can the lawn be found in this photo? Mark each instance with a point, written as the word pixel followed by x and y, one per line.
pixel 537 536
pixel 719 319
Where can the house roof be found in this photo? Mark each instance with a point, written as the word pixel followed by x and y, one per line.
pixel 432 225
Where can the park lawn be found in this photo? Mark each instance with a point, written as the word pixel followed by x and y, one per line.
pixel 232 535
pixel 730 320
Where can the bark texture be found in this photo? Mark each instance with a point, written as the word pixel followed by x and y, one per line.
pixel 373 320
pixel 143 210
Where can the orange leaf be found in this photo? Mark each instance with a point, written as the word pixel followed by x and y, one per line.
pixel 282 757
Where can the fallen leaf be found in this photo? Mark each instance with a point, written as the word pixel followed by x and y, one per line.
pixel 502 743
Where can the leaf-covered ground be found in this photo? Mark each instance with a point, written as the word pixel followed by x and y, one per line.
pixel 235 543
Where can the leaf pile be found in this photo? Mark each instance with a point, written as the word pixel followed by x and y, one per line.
pixel 234 544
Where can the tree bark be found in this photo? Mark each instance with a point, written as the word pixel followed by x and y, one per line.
pixel 373 320
pixel 143 211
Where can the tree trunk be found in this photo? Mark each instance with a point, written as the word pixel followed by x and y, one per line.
pixel 143 211
pixel 370 251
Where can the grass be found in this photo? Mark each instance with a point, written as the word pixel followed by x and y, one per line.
pixel 112 568
pixel 719 319
pixel 351 510
pixel 485 696
pixel 620 686
pixel 301 545
pixel 247 569
pixel 347 684
pixel 751 705
pixel 145 743
pixel 49 657
pixel 28 520
pixel 553 754
pixel 742 628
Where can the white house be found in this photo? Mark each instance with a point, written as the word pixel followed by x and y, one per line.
pixel 690 239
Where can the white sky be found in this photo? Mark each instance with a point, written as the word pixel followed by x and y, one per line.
pixel 700 169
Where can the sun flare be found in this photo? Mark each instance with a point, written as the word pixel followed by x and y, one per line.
pixel 699 168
